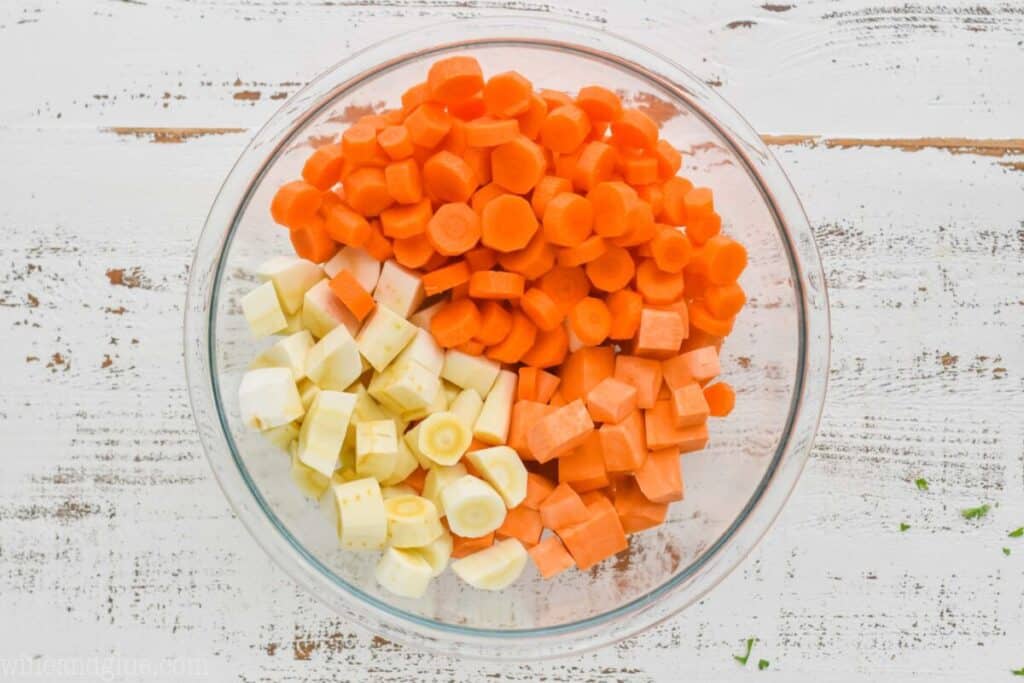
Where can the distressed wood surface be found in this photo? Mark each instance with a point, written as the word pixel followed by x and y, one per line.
pixel 901 130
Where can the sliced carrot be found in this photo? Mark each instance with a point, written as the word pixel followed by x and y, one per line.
pixel 700 318
pixel 660 478
pixel 624 443
pixel 463 547
pixel 346 287
pixel 700 365
pixel 521 523
pixel 295 203
pixel 591 321
pixel 359 143
pixel 456 140
pixel 640 226
pixel 496 284
pixel 660 335
pixel 417 480
pixel 586 251
pixel 541 309
pixel 720 260
pixel 639 170
pixel 396 142
pixel 531 120
pixel 454 229
pixel 612 271
pixel 600 104
pixel 721 398
pixel 612 400
pixel 673 209
pixel 611 202
pixel 403 181
pixel 635 511
pixel 537 489
pixel 565 128
pixel 516 343
pixel 699 202
pixel 489 132
pixel 448 177
pixel 643 374
pixel 483 196
pixel 625 306
pixel 546 189
pixel 562 508
pixel 671 250
pixel 554 98
pixel 565 286
pixel 507 94
pixel 526 387
pixel 598 131
pixel 560 432
pixel 346 226
pixel 312 241
pixel 481 258
pixel 428 125
pixel 595 164
pixel 518 165
pixel 557 400
pixel 436 262
pixel 584 369
pixel 724 301
pixel 653 195
pixel 550 557
pixel 406 220
pixel 634 128
pixel 495 323
pixel 702 228
pixel 455 323
pixel 565 164
pixel 479 159
pixel 657 286
pixel 323 168
pixel 596 539
pixel 413 252
pixel 468 109
pixel 669 159
pixel 375 121
pixel 377 245
pixel 568 219
pixel 525 414
pixel 508 223
pixel 414 97
pixel 443 279
pixel 366 191
pixel 694 284
pixel 454 79
pixel 533 261
pixel 549 348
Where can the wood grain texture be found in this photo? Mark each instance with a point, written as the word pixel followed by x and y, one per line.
pixel 114 538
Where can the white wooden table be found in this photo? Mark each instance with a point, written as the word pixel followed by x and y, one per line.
pixel 902 128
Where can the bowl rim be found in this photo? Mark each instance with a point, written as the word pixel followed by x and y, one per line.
pixel 234 197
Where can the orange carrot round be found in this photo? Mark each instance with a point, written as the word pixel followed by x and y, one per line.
pixel 518 165
pixel 481 258
pixel 600 104
pixel 428 124
pixel 377 245
pixel 550 347
pixel 530 121
pixel 702 228
pixel 724 301
pixel 516 343
pixel 657 286
pixel 548 187
pixel 612 270
pixel 701 319
pixel 508 223
pixel 295 203
pixel 671 250
pixel 565 286
pixel 488 132
pixel 357 300
pixel 323 167
pixel 507 94
pixel 346 226
pixel 395 142
pixel 669 159
pixel 442 279
pixel 625 306
pixel 407 220
pixel 312 242
pixel 720 397
pixel 414 96
pixel 611 202
pixel 366 191
pixel 591 321
pixel 453 79
pixel 653 195
pixel 565 128
pixel 595 164
pixel 641 227
pixel 484 195
pixel 720 260
pixel 359 143
pixel 454 229
pixel 674 192
pixel 584 252
pixel 568 220
pixel 554 98
pixel 495 323
pixel 640 170
pixel 448 177
pixel 455 323
pixel 403 180
pixel 532 261
pixel 635 129
pixel 541 309
pixel 699 202
pixel 496 284
pixel 413 252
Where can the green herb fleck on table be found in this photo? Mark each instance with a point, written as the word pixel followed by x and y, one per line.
pixel 1018 672
pixel 904 526
pixel 742 659
pixel 922 484
pixel 976 513
pixel 1006 551
pixel 762 664
pixel 1016 533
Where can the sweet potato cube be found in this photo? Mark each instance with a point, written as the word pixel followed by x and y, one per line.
pixel 597 538
pixel 562 508
pixel 584 369
pixel 611 400
pixel 689 406
pixel 635 511
pixel 523 524
pixel 660 478
pixel 624 445
pixel 662 432
pixel 551 557
pixel 660 335
pixel 560 432
pixel 699 365
pixel 525 414
pixel 538 488
pixel 645 376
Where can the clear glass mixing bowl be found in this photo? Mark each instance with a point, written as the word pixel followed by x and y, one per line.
pixel 777 357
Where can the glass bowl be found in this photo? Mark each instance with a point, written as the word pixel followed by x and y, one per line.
pixel 777 357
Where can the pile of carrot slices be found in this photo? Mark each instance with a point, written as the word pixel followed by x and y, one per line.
pixel 557 235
